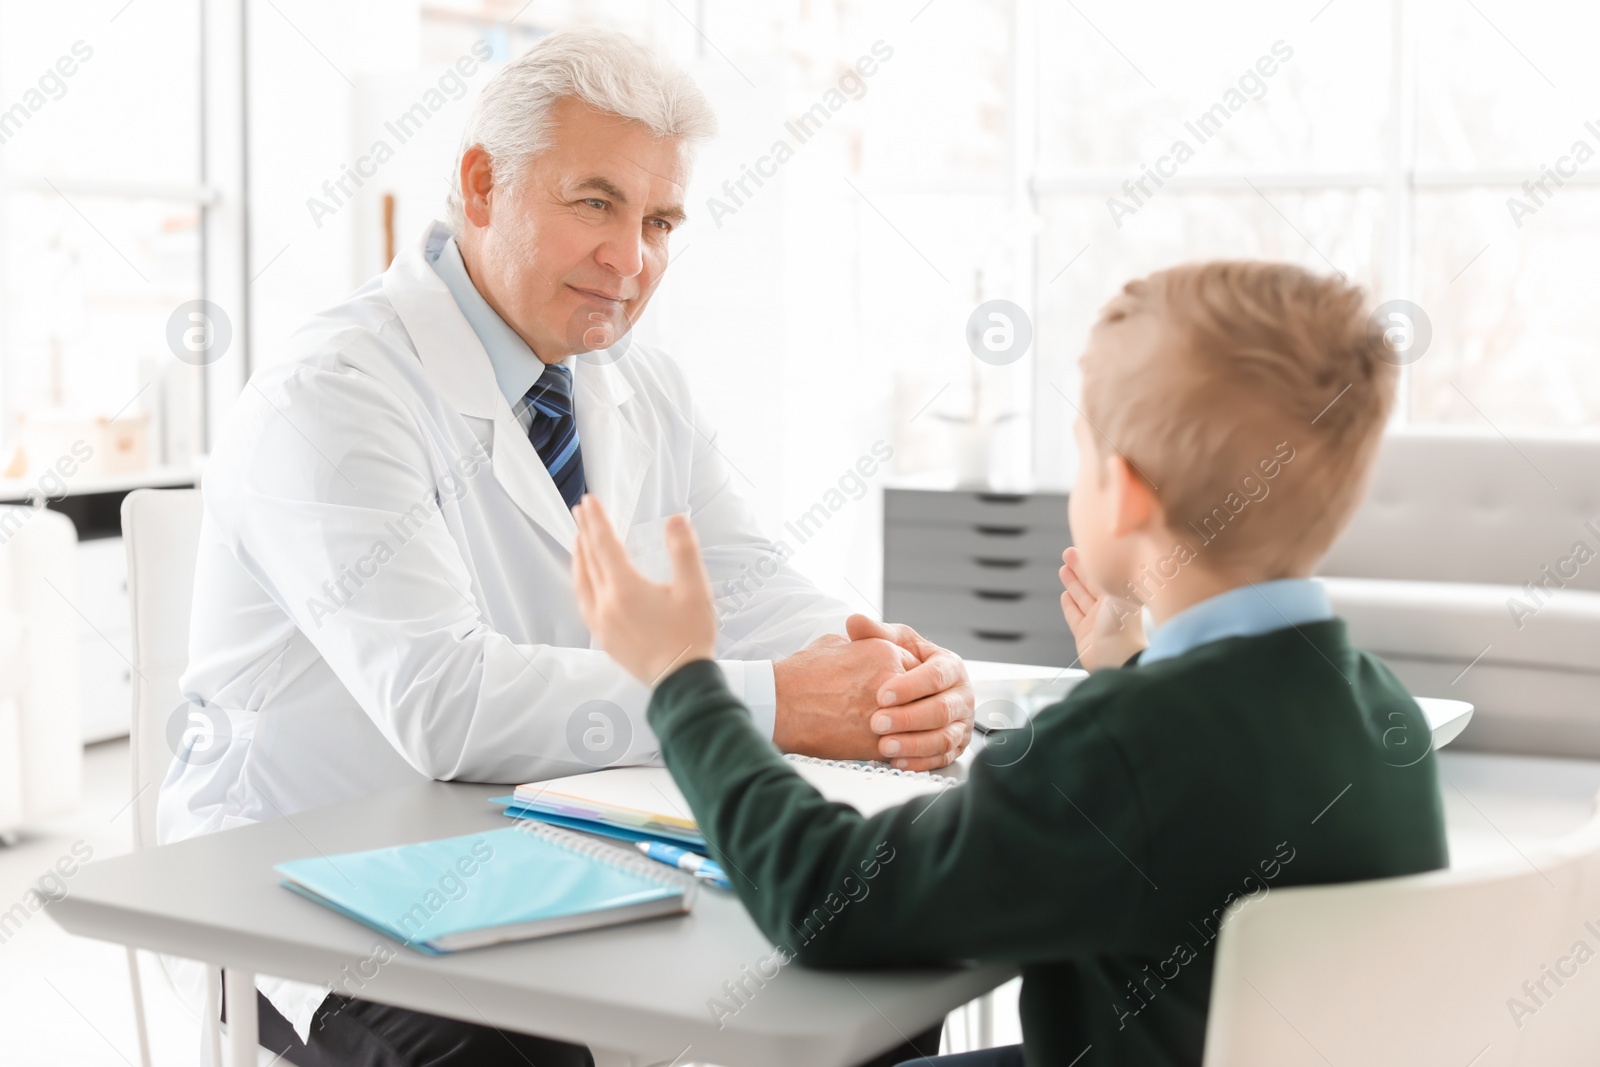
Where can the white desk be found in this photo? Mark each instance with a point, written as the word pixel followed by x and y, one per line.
pixel 641 990
pixel 1027 689
pixel 638 994
pixel 1447 718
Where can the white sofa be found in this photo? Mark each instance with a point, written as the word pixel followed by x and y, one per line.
pixel 41 744
pixel 1433 575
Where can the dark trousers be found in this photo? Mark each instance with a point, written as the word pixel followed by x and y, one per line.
pixel 915 1051
pixel 360 1033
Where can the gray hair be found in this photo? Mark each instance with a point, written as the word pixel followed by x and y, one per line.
pixel 606 70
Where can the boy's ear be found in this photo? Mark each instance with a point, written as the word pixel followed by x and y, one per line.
pixel 1134 506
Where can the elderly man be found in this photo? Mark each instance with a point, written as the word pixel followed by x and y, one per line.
pixel 383 592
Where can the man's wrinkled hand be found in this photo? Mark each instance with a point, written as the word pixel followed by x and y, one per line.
pixel 924 717
pixel 828 693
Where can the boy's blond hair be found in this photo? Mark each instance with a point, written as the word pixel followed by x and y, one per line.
pixel 1255 361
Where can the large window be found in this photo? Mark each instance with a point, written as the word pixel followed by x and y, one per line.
pixel 1386 139
pixel 956 152
pixel 101 225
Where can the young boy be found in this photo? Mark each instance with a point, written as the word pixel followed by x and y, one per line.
pixel 1231 412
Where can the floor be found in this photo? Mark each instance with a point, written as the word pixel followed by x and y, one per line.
pixel 64 1000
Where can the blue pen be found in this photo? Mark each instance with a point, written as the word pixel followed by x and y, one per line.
pixel 683 859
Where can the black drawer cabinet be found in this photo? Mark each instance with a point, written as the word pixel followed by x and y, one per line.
pixel 976 572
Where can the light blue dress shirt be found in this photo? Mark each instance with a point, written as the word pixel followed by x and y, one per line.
pixel 1243 612
pixel 516 367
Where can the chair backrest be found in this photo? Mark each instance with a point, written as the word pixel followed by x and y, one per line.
pixel 1485 966
pixel 1458 505
pixel 161 531
pixel 41 736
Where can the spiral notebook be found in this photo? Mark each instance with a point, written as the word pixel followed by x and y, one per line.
pixel 530 880
pixel 647 800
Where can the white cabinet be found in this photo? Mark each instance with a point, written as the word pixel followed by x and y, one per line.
pixel 41 753
pixel 99 605
pixel 976 572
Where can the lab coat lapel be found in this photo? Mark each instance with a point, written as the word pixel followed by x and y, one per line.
pixel 616 454
pixel 460 370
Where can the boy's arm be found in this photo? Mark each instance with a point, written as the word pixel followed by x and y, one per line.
pixel 1020 863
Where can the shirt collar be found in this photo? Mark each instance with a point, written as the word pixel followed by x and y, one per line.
pixel 1243 612
pixel 516 367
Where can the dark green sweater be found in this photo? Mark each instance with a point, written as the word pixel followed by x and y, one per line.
pixel 1098 849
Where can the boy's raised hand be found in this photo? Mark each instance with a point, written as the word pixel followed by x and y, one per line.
pixel 650 629
pixel 1108 629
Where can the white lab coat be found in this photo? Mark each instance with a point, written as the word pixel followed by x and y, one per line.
pixel 383 592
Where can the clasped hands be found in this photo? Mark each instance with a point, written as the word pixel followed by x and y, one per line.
pixel 882 692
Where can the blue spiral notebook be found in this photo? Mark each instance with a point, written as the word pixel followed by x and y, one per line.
pixel 683 839
pixel 530 880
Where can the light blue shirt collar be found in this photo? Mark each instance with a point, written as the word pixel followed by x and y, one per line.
pixel 1243 612
pixel 516 367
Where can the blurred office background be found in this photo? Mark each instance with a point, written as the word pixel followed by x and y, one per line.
pixel 195 153
pixel 154 153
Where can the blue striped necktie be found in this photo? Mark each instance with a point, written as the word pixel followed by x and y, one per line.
pixel 554 431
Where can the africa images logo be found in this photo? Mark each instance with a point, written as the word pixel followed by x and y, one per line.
pixel 198 332
pixel 599 733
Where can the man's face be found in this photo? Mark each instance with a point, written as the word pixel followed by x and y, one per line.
pixel 573 251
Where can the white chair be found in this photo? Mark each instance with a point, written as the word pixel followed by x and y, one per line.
pixel 1429 968
pixel 161 531
pixel 41 742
